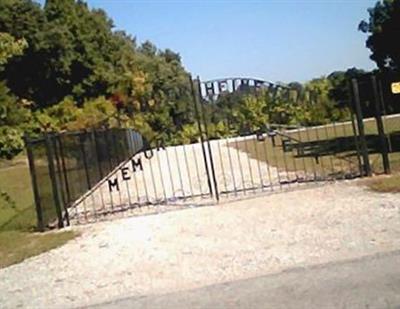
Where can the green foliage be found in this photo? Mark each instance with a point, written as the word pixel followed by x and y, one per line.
pixel 78 72
pixel 10 47
pixel 155 95
pixel 57 117
pixel 94 113
pixel 250 113
pixel 15 119
pixel 68 116
pixel 312 103
pixel 188 134
pixel 383 29
pixel 72 50
pixel 340 83
pixel 11 142
pixel 280 107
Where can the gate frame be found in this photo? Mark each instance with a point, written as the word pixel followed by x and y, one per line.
pixel 377 91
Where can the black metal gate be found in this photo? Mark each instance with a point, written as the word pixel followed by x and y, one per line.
pixel 265 156
pixel 376 105
pixel 85 176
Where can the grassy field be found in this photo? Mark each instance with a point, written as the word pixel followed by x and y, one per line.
pixel 326 150
pixel 16 246
pixel 385 184
pixel 20 214
pixel 18 239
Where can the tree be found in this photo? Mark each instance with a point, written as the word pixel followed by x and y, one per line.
pixel 10 47
pixel 383 28
pixel 15 119
pixel 23 20
pixel 340 84
pixel 155 89
pixel 13 115
pixel 72 51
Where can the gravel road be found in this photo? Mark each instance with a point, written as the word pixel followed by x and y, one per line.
pixel 368 282
pixel 193 248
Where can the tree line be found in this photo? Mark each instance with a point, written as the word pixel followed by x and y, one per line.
pixel 63 66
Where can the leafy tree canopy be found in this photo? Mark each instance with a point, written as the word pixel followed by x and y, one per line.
pixel 63 66
pixel 383 27
pixel 10 47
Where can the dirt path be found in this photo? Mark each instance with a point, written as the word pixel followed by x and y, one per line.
pixel 192 248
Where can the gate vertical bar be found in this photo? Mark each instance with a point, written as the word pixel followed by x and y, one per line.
pixel 383 109
pixel 361 131
pixel 60 179
pixel 96 147
pixel 60 143
pixel 379 124
pixel 356 143
pixel 208 139
pixel 196 109
pixel 52 173
pixel 85 165
pixel 38 206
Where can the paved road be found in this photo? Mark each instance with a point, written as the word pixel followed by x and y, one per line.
pixel 370 282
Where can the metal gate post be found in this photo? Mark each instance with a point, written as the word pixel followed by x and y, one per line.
pixel 52 173
pixel 198 120
pixel 208 140
pixel 36 195
pixel 383 109
pixel 360 124
pixel 60 180
pixel 82 137
pixel 66 181
pixel 379 124
pixel 356 143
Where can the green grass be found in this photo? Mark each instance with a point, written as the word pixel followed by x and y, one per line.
pixel 385 184
pixel 334 145
pixel 15 180
pixel 18 239
pixel 16 246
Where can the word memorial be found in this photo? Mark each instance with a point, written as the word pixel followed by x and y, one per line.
pixel 135 165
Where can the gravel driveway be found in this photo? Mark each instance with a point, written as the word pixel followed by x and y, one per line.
pixel 192 248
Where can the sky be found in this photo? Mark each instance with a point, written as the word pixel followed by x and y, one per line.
pixel 272 40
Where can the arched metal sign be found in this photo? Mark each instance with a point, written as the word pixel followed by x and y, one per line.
pixel 212 89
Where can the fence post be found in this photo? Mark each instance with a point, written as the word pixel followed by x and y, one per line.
pixel 208 139
pixel 83 136
pixel 379 124
pixel 52 173
pixel 66 181
pixel 96 147
pixel 36 196
pixel 353 126
pixel 60 180
pixel 360 124
pixel 198 120
pixel 383 110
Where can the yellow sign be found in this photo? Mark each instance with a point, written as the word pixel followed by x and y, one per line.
pixel 396 88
